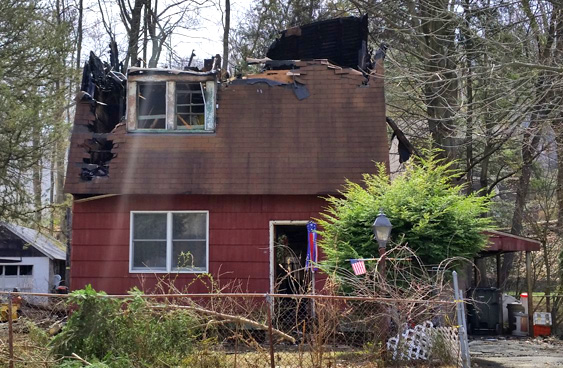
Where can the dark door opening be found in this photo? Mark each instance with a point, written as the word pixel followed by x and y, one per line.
pixel 291 278
pixel 290 255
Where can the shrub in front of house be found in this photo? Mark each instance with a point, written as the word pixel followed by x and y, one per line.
pixel 428 213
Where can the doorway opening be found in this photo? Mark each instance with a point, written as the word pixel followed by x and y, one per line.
pixel 288 255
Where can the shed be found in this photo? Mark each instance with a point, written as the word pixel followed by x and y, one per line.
pixel 500 243
pixel 28 259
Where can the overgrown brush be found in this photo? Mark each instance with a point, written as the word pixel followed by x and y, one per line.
pixel 126 332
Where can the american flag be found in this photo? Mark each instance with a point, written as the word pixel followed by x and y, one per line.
pixel 358 266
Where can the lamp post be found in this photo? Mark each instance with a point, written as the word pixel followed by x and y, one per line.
pixel 381 230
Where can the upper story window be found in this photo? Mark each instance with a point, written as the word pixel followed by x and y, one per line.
pixel 151 106
pixel 190 106
pixel 171 102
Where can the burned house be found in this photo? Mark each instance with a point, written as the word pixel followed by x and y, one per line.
pixel 185 172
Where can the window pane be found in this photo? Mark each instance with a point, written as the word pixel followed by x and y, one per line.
pixel 183 121
pixel 197 98
pixel 197 120
pixel 26 270
pixel 149 254
pixel 151 109
pixel 190 109
pixel 11 270
pixel 189 226
pixel 149 226
pixel 152 123
pixel 198 109
pixel 186 88
pixel 183 109
pixel 188 254
pixel 1 270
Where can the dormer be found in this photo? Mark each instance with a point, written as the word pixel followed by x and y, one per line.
pixel 171 101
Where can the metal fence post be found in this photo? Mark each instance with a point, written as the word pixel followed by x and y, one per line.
pixel 10 332
pixel 270 332
pixel 460 310
pixel 464 324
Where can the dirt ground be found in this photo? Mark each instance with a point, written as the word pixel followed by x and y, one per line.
pixel 513 352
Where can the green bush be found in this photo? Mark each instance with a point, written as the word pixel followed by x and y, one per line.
pixel 118 332
pixel 427 212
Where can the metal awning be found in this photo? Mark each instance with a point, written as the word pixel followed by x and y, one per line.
pixel 501 242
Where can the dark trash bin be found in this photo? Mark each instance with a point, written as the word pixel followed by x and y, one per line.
pixel 484 311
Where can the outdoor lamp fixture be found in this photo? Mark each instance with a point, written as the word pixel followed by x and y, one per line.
pixel 382 229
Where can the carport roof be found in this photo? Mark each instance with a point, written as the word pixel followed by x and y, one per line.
pixel 504 242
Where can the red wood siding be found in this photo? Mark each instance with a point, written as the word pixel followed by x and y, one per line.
pixel 238 238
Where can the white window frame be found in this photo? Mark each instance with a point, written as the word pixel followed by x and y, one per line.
pixel 18 275
pixel 169 268
pixel 209 97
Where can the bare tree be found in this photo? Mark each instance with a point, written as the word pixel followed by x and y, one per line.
pixel 226 29
pixel 149 22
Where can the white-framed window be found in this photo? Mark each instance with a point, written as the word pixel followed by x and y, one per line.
pixel 169 241
pixel 16 270
pixel 180 105
pixel 190 106
pixel 151 105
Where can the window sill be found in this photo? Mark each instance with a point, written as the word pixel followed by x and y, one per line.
pixel 148 271
pixel 171 132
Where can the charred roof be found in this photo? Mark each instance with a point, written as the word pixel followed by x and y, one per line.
pixel 343 41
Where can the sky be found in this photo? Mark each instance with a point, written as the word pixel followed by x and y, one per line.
pixel 206 38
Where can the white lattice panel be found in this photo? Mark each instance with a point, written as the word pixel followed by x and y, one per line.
pixel 416 343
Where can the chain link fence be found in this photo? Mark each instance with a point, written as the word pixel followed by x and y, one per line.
pixel 224 330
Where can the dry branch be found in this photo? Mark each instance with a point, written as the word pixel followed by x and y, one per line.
pixel 242 320
pixel 76 356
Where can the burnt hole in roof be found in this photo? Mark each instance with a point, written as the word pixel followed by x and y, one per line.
pixel 343 41
pixel 105 88
pixel 100 153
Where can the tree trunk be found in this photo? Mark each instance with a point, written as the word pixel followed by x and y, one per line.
pixel 226 29
pixel 52 190
pixel 79 35
pixel 469 91
pixel 530 144
pixel 145 33
pixel 559 145
pixel 133 34
pixel 558 126
pixel 441 88
pixel 547 274
pixel 36 174
pixel 157 40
